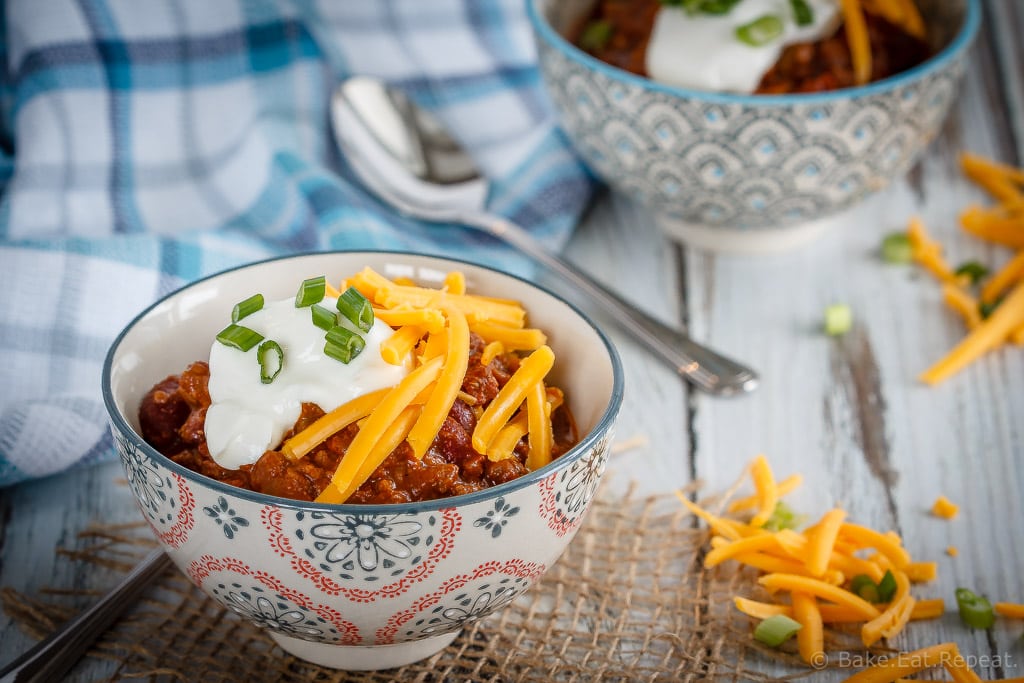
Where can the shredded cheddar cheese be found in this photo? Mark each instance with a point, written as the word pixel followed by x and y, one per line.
pixel 1009 610
pixel 943 507
pixel 448 384
pixel 533 369
pixel 432 329
pixel 857 38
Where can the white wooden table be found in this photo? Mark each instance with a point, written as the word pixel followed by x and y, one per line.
pixel 846 412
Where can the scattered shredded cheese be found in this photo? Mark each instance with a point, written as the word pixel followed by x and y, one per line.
pixel 1009 609
pixel 943 507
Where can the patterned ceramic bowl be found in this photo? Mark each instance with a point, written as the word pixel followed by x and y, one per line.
pixel 749 173
pixel 353 586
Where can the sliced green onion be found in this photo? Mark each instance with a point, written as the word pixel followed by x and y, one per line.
pixel 343 344
pixel 239 336
pixel 862 586
pixel 760 31
pixel 776 630
pixel 356 309
pixel 323 318
pixel 975 610
pixel 783 517
pixel 271 359
pixel 973 270
pixel 718 6
pixel 311 291
pixel 838 320
pixel 985 308
pixel 887 587
pixel 802 12
pixel 896 248
pixel 596 35
pixel 247 307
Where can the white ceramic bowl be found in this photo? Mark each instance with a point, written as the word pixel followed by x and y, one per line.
pixel 358 586
pixel 749 172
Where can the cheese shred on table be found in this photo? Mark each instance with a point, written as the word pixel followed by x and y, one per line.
pixel 995 314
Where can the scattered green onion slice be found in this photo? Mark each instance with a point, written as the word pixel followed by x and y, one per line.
pixel 760 31
pixel 239 336
pixel 802 12
pixel 717 6
pixel 838 320
pixel 973 270
pixel 323 318
pixel 271 359
pixel 311 291
pixel 985 308
pixel 776 630
pixel 783 517
pixel 887 587
pixel 596 35
pixel 975 610
pixel 356 309
pixel 862 586
pixel 247 307
pixel 343 344
pixel 896 248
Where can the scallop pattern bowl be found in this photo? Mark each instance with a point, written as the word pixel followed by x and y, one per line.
pixel 749 172
pixel 359 586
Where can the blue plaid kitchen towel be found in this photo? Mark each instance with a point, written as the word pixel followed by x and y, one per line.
pixel 145 144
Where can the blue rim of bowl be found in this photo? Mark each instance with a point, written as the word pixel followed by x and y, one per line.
pixel 960 43
pixel 585 444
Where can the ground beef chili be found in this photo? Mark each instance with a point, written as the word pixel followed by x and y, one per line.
pixel 173 412
pixel 809 67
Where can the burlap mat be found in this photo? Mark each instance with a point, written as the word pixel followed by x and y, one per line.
pixel 629 600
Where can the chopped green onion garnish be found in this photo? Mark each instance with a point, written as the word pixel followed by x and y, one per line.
pixel 838 319
pixel 862 586
pixel 247 307
pixel 311 291
pixel 239 336
pixel 975 610
pixel 271 359
pixel 596 35
pixel 717 6
pixel 323 318
pixel 783 517
pixel 896 248
pixel 343 344
pixel 706 6
pixel 887 587
pixel 776 630
pixel 802 12
pixel 354 306
pixel 985 308
pixel 973 270
pixel 760 31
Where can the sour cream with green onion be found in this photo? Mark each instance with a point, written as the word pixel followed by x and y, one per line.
pixel 703 52
pixel 247 417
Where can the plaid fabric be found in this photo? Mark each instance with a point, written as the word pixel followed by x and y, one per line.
pixel 147 144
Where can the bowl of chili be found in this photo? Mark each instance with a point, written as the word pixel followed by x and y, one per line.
pixel 754 171
pixel 348 564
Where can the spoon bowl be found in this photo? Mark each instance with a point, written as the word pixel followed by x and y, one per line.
pixel 405 156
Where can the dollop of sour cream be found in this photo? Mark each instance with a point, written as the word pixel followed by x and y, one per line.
pixel 247 417
pixel 702 51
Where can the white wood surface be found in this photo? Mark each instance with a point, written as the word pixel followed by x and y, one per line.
pixel 848 413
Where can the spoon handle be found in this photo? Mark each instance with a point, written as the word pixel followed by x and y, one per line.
pixel 49 659
pixel 700 365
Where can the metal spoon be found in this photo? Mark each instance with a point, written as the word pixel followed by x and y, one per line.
pixel 406 157
pixel 50 658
